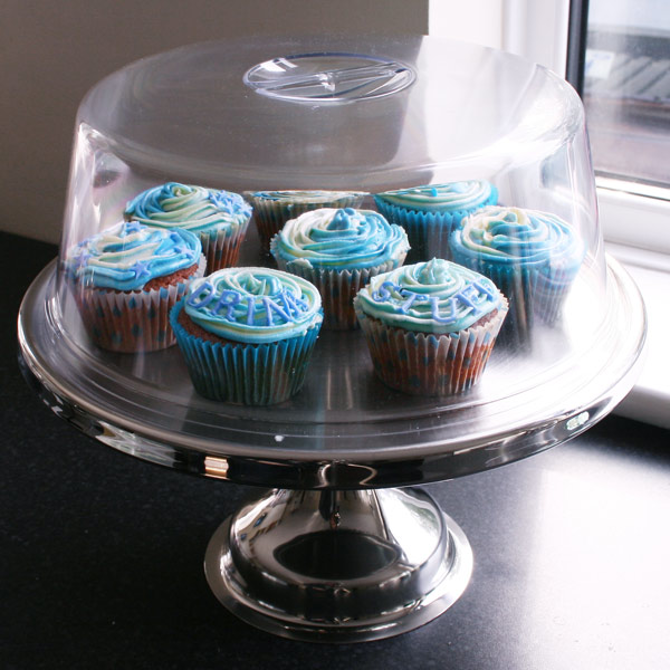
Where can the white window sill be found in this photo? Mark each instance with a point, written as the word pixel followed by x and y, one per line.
pixel 649 400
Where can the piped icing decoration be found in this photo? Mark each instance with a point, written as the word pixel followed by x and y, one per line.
pixel 128 255
pixel 304 197
pixel 436 296
pixel 193 208
pixel 511 235
pixel 452 196
pixel 254 305
pixel 339 239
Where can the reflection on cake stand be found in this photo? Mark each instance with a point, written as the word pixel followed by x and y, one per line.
pixel 335 551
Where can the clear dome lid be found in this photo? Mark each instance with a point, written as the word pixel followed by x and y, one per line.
pixel 474 159
pixel 331 114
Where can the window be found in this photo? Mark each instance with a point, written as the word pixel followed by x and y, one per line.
pixel 625 85
pixel 619 60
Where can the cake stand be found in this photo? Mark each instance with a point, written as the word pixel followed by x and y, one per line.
pixel 343 547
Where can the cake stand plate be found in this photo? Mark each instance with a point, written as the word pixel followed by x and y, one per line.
pixel 335 552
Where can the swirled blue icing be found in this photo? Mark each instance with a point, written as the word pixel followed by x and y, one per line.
pixel 254 305
pixel 128 255
pixel 340 239
pixel 194 208
pixel 449 197
pixel 436 296
pixel 519 237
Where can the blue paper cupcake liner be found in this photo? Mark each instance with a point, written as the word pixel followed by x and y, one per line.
pixel 518 284
pixel 551 291
pixel 249 374
pixel 534 295
pixel 338 289
pixel 428 232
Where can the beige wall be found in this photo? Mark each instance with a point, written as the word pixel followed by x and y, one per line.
pixel 53 51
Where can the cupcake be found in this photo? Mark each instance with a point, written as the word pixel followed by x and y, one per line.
pixel 532 256
pixel 338 250
pixel 247 334
pixel 126 279
pixel 219 218
pixel 430 213
pixel 272 209
pixel 430 327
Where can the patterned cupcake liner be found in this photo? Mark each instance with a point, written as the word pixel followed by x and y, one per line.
pixel 338 289
pixel 222 249
pixel 249 374
pixel 428 232
pixel 430 365
pixel 132 321
pixel 271 215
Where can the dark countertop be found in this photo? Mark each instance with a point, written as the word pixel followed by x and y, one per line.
pixel 102 554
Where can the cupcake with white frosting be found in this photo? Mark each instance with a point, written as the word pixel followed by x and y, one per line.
pixel 219 218
pixel 126 279
pixel 247 334
pixel 339 250
pixel 272 209
pixel 532 256
pixel 430 213
pixel 430 327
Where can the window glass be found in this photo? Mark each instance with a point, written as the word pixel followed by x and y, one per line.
pixel 626 88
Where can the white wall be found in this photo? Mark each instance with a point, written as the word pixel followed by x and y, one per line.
pixel 476 21
pixel 533 29
pixel 52 52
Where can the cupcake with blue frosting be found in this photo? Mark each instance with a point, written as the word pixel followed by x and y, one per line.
pixel 532 256
pixel 247 334
pixel 272 209
pixel 431 326
pixel 126 280
pixel 430 213
pixel 219 218
pixel 339 250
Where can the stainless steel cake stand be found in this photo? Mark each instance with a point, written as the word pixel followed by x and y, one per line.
pixel 336 551
pixel 339 565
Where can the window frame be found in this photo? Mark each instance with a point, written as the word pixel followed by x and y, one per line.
pixel 620 200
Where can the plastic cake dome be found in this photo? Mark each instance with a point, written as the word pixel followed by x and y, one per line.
pixel 407 115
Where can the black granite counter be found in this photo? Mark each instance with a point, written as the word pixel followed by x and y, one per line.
pixel 102 554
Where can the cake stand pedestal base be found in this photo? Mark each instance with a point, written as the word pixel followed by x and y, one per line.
pixel 339 566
